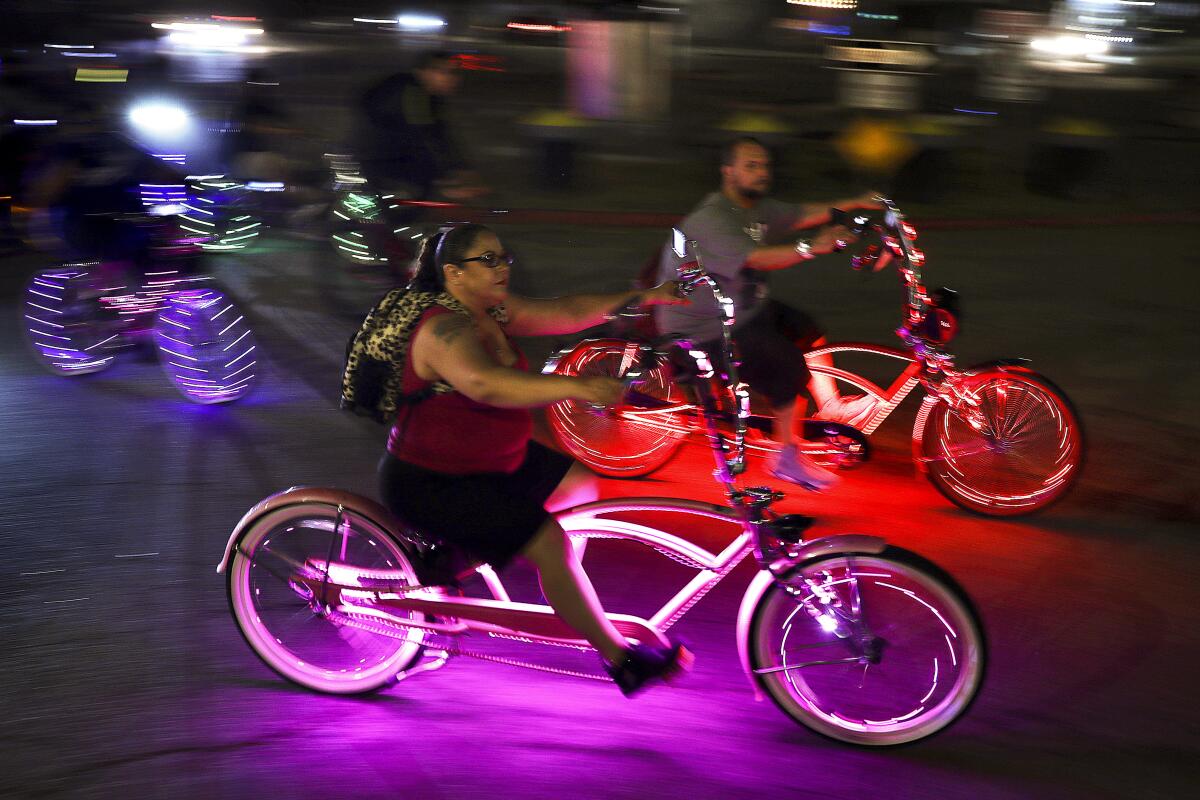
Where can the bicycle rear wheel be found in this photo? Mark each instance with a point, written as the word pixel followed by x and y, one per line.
pixel 867 649
pixel 623 441
pixel 1027 455
pixel 206 346
pixel 64 322
pixel 299 635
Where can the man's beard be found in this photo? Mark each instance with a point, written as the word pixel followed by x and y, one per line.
pixel 752 192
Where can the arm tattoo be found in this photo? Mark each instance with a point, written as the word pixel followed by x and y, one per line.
pixel 450 326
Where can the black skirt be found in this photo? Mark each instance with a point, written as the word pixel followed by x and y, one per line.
pixel 490 515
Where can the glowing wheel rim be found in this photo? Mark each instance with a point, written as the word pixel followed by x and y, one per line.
pixel 290 632
pixel 206 346
pixel 215 211
pixel 1027 456
pixel 624 441
pixel 64 322
pixel 931 652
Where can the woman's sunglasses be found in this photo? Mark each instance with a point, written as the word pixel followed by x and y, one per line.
pixel 491 260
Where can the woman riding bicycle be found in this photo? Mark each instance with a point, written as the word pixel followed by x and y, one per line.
pixel 460 465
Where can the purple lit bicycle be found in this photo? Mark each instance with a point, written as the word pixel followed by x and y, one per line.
pixel 79 316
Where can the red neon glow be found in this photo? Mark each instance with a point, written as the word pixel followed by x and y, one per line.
pixel 472 62
pixel 227 18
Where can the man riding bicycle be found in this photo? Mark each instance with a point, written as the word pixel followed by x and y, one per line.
pixel 742 235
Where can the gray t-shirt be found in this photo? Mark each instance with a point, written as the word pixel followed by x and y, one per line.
pixel 725 234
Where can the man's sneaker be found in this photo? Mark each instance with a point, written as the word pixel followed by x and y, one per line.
pixel 792 465
pixel 852 410
pixel 644 663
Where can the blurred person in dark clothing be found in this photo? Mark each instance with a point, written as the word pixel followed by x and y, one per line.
pixel 88 174
pixel 402 138
pixel 256 145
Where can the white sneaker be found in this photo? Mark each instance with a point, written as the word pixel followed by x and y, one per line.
pixel 793 466
pixel 853 410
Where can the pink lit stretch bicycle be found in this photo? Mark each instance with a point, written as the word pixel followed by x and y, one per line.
pixel 858 640
pixel 996 438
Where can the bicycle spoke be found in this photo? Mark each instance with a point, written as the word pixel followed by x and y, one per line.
pixel 790 667
pixel 1021 415
pixel 965 452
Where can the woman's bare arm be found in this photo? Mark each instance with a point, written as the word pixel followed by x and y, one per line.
pixel 529 316
pixel 449 346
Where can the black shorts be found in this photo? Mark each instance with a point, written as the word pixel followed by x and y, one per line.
pixel 771 345
pixel 490 515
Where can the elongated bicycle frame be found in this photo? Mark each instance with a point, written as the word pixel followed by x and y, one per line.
pixel 377 600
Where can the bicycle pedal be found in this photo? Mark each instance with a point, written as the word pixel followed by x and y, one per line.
pixel 683 665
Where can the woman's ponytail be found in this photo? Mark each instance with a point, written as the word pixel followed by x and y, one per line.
pixel 446 246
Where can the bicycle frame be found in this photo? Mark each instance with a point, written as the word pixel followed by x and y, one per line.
pixel 378 601
pixel 925 361
pixel 887 398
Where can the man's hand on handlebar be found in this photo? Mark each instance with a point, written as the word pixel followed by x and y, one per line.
pixel 867 200
pixel 831 239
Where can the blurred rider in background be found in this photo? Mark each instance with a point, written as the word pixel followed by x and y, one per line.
pixel 84 180
pixel 402 138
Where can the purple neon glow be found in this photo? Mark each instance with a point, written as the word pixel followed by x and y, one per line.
pixel 196 348
pixel 813 661
pixel 61 324
pixel 334 650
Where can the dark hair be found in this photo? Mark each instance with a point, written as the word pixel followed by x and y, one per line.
pixel 729 149
pixel 446 246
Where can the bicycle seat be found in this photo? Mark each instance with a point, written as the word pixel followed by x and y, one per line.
pixel 791 527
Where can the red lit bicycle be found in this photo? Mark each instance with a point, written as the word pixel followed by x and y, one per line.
pixel 997 438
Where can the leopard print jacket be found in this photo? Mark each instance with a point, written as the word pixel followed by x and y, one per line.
pixel 375 355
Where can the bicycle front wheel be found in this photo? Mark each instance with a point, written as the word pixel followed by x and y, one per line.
pixel 299 635
pixel 1026 455
pixel 871 650
pixel 206 346
pixel 623 441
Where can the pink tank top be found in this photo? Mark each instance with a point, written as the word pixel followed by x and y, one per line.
pixel 454 434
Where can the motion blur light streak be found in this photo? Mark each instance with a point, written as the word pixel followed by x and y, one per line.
pixel 160 118
pixel 420 22
pixel 538 28
pixel 1070 46
pixel 207 35
pixel 94 75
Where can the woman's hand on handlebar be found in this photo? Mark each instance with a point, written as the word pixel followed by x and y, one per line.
pixel 599 390
pixel 667 293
